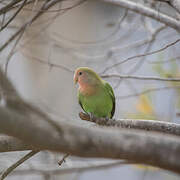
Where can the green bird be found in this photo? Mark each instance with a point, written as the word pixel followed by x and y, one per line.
pixel 96 96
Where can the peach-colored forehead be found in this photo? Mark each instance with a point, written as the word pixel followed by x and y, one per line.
pixel 76 72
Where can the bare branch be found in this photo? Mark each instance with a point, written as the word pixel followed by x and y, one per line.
pixel 91 142
pixel 12 144
pixel 47 5
pixel 63 159
pixel 86 142
pixel 83 168
pixel 58 10
pixel 13 49
pixel 14 15
pixel 146 11
pixel 148 91
pixel 149 125
pixel 52 65
pixel 151 78
pixel 18 163
pixel 9 6
pixel 72 139
pixel 140 55
pixel 173 3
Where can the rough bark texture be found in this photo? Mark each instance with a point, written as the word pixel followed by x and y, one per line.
pixel 148 125
pixel 28 123
pixel 12 144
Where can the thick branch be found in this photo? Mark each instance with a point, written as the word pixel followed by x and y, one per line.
pixel 148 125
pixel 93 142
pixel 12 144
pixel 146 11
pixel 28 123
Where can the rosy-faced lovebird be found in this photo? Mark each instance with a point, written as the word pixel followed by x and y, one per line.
pixel 95 95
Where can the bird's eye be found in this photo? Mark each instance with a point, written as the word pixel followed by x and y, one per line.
pixel 80 73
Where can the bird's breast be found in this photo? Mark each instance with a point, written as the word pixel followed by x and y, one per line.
pixel 87 90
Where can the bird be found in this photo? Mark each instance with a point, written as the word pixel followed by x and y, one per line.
pixel 96 96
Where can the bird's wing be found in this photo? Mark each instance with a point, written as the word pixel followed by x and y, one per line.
pixel 80 102
pixel 110 90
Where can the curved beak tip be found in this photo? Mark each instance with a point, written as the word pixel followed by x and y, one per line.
pixel 75 80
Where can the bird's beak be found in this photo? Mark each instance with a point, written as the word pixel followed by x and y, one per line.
pixel 75 80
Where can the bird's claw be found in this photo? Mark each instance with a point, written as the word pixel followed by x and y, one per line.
pixel 106 118
pixel 91 115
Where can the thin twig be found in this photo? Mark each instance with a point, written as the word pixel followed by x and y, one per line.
pixel 93 167
pixel 148 91
pixel 13 49
pixel 45 6
pixel 146 11
pixel 37 59
pixel 14 15
pixel 151 78
pixel 18 163
pixel 9 6
pixel 141 55
pixel 173 3
pixel 151 40
pixel 63 159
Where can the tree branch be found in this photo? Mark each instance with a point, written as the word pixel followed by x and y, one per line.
pixel 16 164
pixel 93 142
pixel 139 55
pixel 146 11
pixel 148 91
pixel 148 125
pixel 86 142
pixel 14 15
pixel 151 78
pixel 12 144
pixel 173 3
pixel 63 159
pixel 47 5
pixel 92 167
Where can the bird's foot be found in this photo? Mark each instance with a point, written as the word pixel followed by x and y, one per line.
pixel 91 115
pixel 107 118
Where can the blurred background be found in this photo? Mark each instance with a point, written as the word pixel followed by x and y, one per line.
pixel 41 59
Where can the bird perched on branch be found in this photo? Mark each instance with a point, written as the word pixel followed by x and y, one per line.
pixel 95 95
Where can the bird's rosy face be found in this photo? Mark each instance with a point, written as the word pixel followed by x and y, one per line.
pixel 80 77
